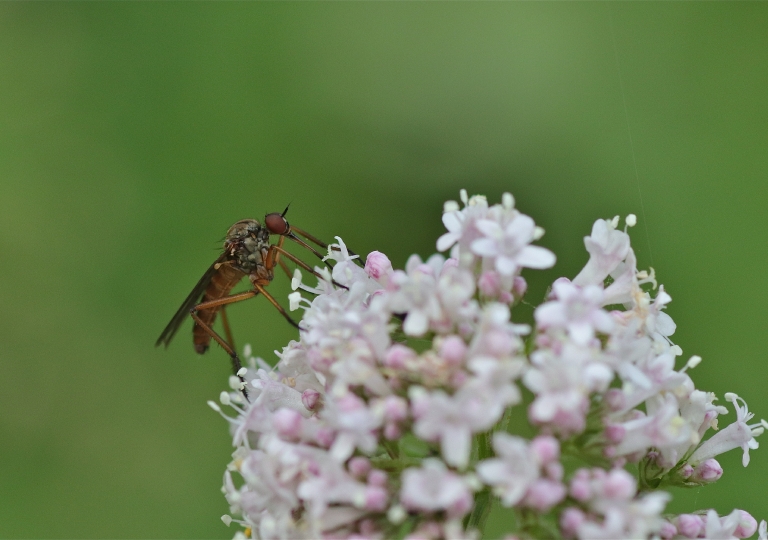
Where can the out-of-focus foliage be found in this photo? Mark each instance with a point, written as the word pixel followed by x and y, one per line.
pixel 133 134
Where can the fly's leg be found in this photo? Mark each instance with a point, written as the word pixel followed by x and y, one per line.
pixel 221 302
pixel 260 289
pixel 320 243
pixel 227 330
pixel 301 263
pixel 285 268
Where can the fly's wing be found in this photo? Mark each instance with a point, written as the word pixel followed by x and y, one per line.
pixel 192 299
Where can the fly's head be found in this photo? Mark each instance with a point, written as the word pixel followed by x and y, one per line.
pixel 246 245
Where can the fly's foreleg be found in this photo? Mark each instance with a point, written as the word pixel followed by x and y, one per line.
pixel 322 244
pixel 301 263
pixel 258 285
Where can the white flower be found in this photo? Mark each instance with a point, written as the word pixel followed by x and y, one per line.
pixel 510 247
pixel 433 488
pixel 461 223
pixel 450 420
pixel 737 434
pixel 607 247
pixel 512 471
pixel 577 310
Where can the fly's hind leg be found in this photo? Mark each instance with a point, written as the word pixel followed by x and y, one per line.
pixel 221 302
pixel 227 329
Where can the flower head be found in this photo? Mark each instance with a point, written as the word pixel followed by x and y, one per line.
pixel 391 414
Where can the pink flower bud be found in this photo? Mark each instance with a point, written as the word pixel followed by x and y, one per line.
pixel 685 471
pixel 544 494
pixel 570 520
pixel 378 267
pixel 498 343
pixel 668 531
pixel 377 477
pixel 519 287
pixel 398 355
pixel 350 402
pixel 554 471
pixel 395 409
pixel 747 525
pixel 309 398
pixel 619 485
pixel 689 525
pixel 580 488
pixel 375 498
pixel 489 283
pixel 325 436
pixel 707 471
pixel 359 466
pixel 614 399
pixel 392 431
pixel 545 448
pixel 452 350
pixel 614 433
pixel 287 422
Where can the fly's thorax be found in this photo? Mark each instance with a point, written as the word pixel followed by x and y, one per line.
pixel 247 244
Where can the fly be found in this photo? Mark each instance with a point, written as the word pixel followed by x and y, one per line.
pixel 247 253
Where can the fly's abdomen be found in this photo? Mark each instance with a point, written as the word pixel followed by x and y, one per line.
pixel 222 283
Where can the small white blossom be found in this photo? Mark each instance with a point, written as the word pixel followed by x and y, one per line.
pixel 737 434
pixel 510 247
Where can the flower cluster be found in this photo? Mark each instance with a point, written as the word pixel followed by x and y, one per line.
pixel 390 417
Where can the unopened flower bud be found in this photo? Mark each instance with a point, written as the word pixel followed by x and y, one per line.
pixel 287 422
pixel 378 267
pixel 619 484
pixel 546 448
pixel 747 525
pixel 359 466
pixel 375 498
pixel 667 531
pixel 452 350
pixel 377 477
pixel 544 494
pixel 398 355
pixel 309 398
pixel 570 520
pixel 689 525
pixel 707 471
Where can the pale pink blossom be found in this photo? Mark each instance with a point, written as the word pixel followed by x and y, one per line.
pixel 450 420
pixel 738 434
pixel 509 246
pixel 576 310
pixel 433 488
pixel 607 247
pixel 514 469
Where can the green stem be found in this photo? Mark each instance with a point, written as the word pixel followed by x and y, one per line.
pixel 480 511
pixel 392 448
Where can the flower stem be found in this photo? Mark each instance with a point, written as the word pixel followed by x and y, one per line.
pixel 480 511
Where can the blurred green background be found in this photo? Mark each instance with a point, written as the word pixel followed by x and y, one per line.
pixel 133 134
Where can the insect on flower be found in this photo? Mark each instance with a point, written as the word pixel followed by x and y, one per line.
pixel 247 253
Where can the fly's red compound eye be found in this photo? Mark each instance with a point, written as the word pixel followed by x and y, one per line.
pixel 276 224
